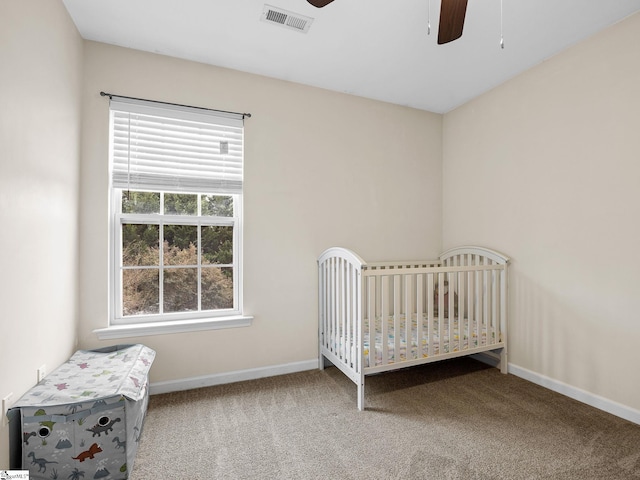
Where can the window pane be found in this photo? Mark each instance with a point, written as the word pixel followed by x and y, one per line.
pixel 217 205
pixel 217 288
pixel 217 245
pixel 180 289
pixel 180 245
pixel 140 291
pixel 140 244
pixel 140 202
pixel 180 204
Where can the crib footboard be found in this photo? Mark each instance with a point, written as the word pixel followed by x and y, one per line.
pixel 340 314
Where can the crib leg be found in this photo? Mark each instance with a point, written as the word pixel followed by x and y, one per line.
pixel 503 361
pixel 361 395
pixel 323 362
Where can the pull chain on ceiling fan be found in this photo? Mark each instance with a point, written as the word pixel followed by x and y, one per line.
pixel 452 13
pixel 501 29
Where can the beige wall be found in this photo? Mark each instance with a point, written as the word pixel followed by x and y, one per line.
pixel 40 84
pixel 546 168
pixel 321 169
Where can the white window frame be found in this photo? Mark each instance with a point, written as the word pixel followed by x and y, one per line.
pixel 121 326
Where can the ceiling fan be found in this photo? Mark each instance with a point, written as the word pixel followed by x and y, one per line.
pixel 452 14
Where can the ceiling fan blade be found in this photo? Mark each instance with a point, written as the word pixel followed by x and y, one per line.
pixel 452 14
pixel 319 3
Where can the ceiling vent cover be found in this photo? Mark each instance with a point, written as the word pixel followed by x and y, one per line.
pixel 285 18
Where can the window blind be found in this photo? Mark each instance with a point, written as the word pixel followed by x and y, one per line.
pixel 175 148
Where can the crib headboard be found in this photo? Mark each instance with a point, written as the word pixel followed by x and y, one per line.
pixel 344 253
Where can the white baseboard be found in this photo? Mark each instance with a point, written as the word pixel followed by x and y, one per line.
pixel 578 394
pixel 601 403
pixel 230 377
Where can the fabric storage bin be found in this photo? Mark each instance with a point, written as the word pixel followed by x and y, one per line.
pixel 84 419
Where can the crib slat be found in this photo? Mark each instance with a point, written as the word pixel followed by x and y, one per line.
pixel 321 309
pixel 337 316
pixel 344 300
pixel 334 306
pixel 397 334
pixel 408 315
pixel 355 337
pixel 329 310
pixel 430 312
pixel 419 315
pixel 384 316
pixel 455 300
pixel 494 308
pixel 453 289
pixel 441 331
pixel 338 302
pixel 372 320
pixel 487 304
pixel 340 305
pixel 346 311
pixel 327 304
pixel 471 296
pixel 449 310
pixel 479 306
pixel 463 310
pixel 503 320
pixel 462 318
pixel 321 297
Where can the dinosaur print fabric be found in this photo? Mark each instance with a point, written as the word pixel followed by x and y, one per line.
pixel 84 419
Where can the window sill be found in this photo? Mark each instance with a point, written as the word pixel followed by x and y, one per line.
pixel 162 328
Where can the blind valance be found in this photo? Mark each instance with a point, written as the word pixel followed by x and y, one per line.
pixel 175 148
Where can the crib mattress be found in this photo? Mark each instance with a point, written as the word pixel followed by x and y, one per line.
pixel 463 335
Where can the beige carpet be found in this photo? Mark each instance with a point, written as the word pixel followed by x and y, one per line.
pixel 452 420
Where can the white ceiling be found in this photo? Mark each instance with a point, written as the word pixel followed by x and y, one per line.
pixel 377 49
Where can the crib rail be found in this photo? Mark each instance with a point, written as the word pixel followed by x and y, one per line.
pixel 401 265
pixel 387 315
pixel 428 313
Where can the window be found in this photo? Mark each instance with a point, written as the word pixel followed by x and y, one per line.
pixel 175 255
pixel 176 213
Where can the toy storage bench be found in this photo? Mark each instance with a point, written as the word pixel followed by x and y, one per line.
pixel 84 419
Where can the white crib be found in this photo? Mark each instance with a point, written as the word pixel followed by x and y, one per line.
pixel 377 317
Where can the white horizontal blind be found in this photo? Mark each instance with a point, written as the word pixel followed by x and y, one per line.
pixel 174 148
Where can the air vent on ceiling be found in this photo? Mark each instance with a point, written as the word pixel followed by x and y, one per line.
pixel 285 18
